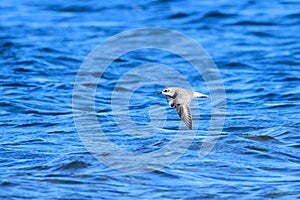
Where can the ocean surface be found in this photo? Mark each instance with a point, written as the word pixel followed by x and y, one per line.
pixel 256 48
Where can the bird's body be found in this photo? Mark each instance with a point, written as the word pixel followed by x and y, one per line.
pixel 181 99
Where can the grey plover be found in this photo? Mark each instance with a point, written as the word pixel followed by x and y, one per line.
pixel 181 99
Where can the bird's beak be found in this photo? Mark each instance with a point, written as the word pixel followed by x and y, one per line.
pixel 159 93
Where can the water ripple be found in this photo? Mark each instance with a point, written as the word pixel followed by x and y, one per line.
pixel 255 45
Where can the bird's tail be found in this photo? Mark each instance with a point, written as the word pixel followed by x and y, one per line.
pixel 199 95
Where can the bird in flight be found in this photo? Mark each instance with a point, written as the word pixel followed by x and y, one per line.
pixel 181 99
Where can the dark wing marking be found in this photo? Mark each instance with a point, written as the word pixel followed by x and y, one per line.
pixel 170 100
pixel 185 114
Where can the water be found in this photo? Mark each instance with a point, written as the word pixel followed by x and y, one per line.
pixel 255 45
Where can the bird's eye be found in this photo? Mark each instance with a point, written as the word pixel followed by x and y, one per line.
pixel 165 90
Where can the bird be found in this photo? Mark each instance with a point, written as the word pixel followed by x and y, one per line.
pixel 181 98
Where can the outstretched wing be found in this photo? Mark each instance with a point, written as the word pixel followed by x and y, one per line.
pixel 185 114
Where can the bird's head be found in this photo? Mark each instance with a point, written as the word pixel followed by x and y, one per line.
pixel 168 91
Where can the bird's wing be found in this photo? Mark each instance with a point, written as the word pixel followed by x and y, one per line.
pixel 170 100
pixel 185 114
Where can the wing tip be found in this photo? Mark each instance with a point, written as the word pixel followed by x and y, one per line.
pixel 189 126
pixel 187 121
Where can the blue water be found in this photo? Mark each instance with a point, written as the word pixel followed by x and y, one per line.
pixel 255 45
